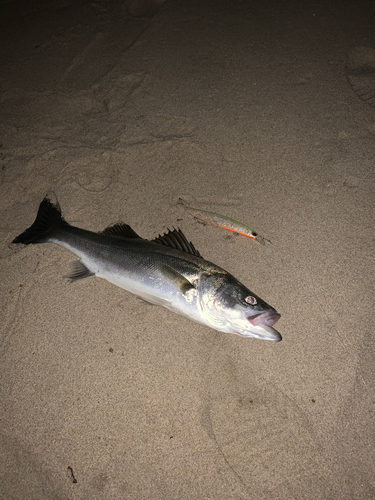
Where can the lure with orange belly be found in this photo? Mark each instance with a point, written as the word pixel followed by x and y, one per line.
pixel 224 222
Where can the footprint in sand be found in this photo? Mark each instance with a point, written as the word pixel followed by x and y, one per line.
pixel 92 173
pixel 258 433
pixel 360 70
pixel 161 128
pixel 265 439
pixel 116 90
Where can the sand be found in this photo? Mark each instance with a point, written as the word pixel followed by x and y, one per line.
pixel 248 109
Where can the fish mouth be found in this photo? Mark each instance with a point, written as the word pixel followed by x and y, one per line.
pixel 265 332
pixel 267 318
pixel 262 325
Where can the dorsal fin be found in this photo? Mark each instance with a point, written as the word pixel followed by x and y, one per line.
pixel 121 230
pixel 177 239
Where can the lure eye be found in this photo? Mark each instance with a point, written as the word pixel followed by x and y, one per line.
pixel 251 300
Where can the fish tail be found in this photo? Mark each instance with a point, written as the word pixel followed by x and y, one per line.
pixel 48 219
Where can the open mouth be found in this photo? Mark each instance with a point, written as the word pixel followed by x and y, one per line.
pixel 262 325
pixel 267 318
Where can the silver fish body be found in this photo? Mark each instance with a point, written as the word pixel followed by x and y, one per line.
pixel 167 271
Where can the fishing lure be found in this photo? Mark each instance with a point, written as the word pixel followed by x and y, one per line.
pixel 224 222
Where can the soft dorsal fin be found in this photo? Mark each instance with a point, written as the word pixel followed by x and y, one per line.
pixel 177 239
pixel 121 230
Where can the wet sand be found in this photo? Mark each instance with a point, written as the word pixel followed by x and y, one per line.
pixel 241 108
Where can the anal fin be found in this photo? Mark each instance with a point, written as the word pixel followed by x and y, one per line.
pixel 78 271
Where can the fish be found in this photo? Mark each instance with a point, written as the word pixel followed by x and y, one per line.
pixel 167 271
pixel 224 222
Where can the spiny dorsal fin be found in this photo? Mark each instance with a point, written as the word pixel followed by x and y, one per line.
pixel 177 239
pixel 121 230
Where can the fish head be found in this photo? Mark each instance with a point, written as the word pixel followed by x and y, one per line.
pixel 231 307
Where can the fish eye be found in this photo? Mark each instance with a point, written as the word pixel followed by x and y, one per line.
pixel 251 300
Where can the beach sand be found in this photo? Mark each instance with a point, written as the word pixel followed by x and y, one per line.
pixel 248 109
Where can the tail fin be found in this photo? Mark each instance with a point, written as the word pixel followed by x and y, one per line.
pixel 48 218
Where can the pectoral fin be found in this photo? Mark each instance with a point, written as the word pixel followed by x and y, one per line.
pixel 178 279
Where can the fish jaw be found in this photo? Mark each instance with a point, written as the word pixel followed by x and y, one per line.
pixel 262 332
pixel 262 329
pixel 244 328
pixel 259 326
pixel 268 318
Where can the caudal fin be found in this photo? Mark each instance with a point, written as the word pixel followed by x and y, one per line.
pixel 47 220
